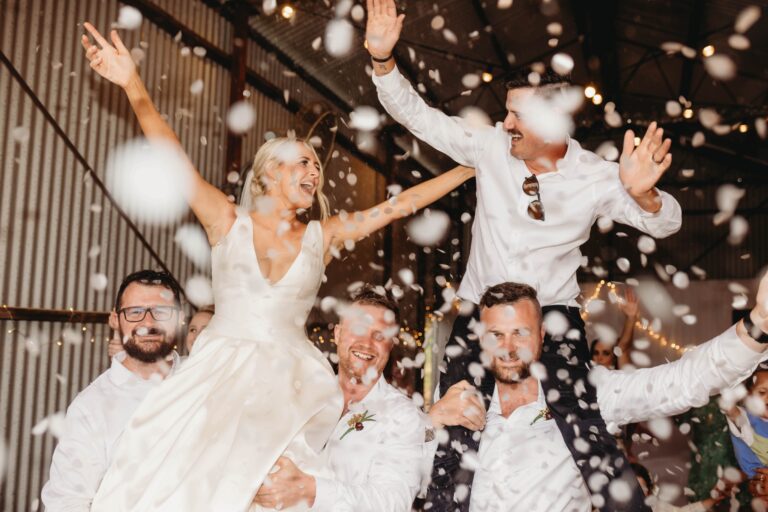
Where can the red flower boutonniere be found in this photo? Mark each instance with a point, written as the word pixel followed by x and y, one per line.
pixel 543 414
pixel 356 422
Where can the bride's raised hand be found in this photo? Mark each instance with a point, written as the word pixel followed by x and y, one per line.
pixel 112 62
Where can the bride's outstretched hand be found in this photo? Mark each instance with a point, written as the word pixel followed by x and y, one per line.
pixel 112 62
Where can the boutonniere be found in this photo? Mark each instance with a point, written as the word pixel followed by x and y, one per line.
pixel 543 414
pixel 356 422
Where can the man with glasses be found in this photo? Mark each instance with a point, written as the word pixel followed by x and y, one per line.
pixel 538 195
pixel 148 318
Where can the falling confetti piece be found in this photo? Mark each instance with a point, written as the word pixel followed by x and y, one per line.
pixel 193 243
pixel 739 42
pixel 689 319
pixel 681 280
pixel 475 117
pixel 720 67
pixel 365 118
pixel 240 117
pixel 604 224
pixel 449 36
pixel 556 324
pixel 698 139
pixel 504 4
pixel 137 54
pixel 466 217
pixel 342 8
pixel 99 282
pixel 640 359
pixel 620 491
pixel 555 29
pixel 437 23
pixel 53 424
pixel 316 43
pixel 674 109
pixel 739 229
pixel 129 18
pixel 623 264
pixel 20 134
pixel 608 151
pixel 197 87
pixel 269 7
pixel 760 127
pixel 562 63
pixel 339 36
pixel 708 118
pixel 646 244
pixel 149 180
pixel 357 13
pixel 199 51
pixel 728 196
pixel 72 336
pixel 199 291
pixel 471 80
pixel 428 228
pixel 613 119
pixel 746 18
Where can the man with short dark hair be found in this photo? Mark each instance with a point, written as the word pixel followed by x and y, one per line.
pixel 148 318
pixel 538 195
pixel 377 455
pixel 523 463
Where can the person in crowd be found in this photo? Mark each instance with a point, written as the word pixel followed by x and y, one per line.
pixel 378 455
pixel 148 318
pixel 197 323
pixel 538 195
pixel 255 387
pixel 722 490
pixel 523 463
pixel 748 426
pixel 615 355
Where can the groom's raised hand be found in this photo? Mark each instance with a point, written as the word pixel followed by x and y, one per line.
pixel 382 32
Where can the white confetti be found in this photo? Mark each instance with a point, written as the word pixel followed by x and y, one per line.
pixel 555 29
pixel 342 8
pixel 646 244
pixel 504 4
pixel 604 224
pixel 428 228
pixel 199 291
pixel 339 36
pixel 720 67
pixel 674 109
pixel 623 264
pixel 739 229
pixel 53 424
pixel 196 87
pixel 99 281
pixel 129 18
pixel 739 42
pixel 661 428
pixel 449 36
pixel 689 319
pixel 698 139
pixel 269 6
pixel 708 117
pixel 728 197
pixel 470 80
pixel 357 13
pixel 608 151
pixel 437 23
pixel 475 117
pixel 681 280
pixel 746 18
pixel 316 43
pixel 240 117
pixel 465 217
pixel 20 134
pixel 640 359
pixel 199 51
pixel 562 63
pixel 755 405
pixel 620 491
pixel 149 180
pixel 364 118
pixel 555 323
pixel 193 243
pixel 760 127
pixel 613 119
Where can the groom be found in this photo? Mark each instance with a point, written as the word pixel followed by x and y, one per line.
pixel 538 196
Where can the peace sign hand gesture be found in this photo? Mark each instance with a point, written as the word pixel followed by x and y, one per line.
pixel 112 62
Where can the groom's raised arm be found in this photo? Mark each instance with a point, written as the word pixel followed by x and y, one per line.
pixel 672 388
pixel 450 135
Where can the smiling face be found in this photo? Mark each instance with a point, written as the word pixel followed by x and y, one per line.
pixel 524 143
pixel 147 340
pixel 364 338
pixel 760 389
pixel 295 175
pixel 514 335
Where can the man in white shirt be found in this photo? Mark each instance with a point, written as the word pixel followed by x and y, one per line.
pixel 377 455
pixel 538 196
pixel 148 317
pixel 523 463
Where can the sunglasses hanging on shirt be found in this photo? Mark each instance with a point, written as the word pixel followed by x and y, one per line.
pixel 531 188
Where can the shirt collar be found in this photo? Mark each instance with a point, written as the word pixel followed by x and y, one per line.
pixel 540 401
pixel 121 375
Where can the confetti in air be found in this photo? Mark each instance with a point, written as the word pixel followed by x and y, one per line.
pixel 193 242
pixel 428 228
pixel 240 117
pixel 129 18
pixel 199 291
pixel 150 181
pixel 339 37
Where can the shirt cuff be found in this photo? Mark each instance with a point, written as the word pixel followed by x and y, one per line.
pixel 739 354
pixel 325 495
pixel 663 196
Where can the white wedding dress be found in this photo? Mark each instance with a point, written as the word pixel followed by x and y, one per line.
pixel 253 389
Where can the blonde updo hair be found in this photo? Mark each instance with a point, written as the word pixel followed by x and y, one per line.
pixel 269 156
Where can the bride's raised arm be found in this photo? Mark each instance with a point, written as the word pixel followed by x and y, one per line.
pixel 357 225
pixel 210 205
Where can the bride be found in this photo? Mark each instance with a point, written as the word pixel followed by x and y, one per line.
pixel 254 388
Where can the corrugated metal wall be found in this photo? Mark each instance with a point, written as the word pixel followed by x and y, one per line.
pixel 52 214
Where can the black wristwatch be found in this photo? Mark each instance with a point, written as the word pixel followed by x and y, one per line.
pixel 754 331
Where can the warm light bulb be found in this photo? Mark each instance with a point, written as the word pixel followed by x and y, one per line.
pixel 487 77
pixel 637 141
pixel 708 50
pixel 688 113
pixel 288 11
pixel 743 128
pixel 597 99
pixel 589 91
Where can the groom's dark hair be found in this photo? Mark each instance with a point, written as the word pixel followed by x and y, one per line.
pixel 370 295
pixel 150 278
pixel 522 78
pixel 509 294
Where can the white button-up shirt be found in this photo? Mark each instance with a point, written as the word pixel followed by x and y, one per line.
pixel 507 245
pixel 524 465
pixel 381 467
pixel 94 422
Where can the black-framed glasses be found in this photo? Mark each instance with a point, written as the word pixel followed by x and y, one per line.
pixel 531 188
pixel 138 313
